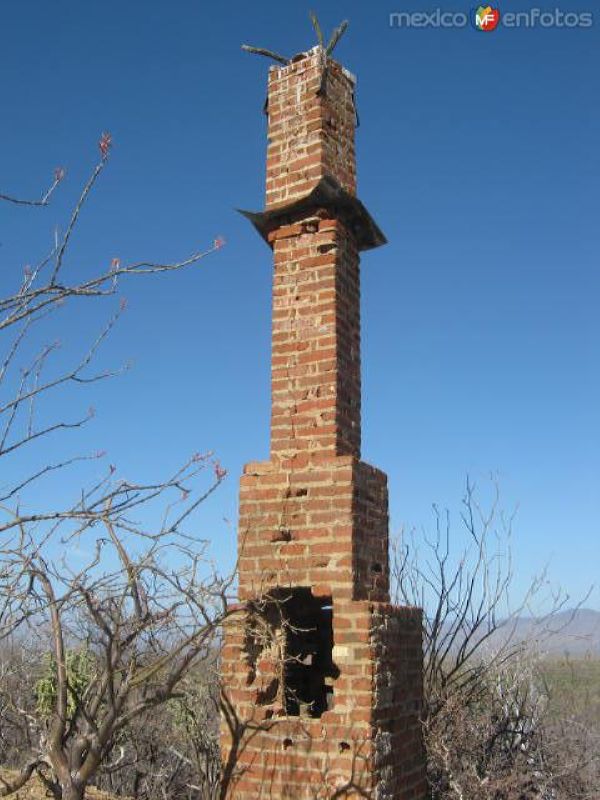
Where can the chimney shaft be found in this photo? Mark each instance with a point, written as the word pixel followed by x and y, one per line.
pixel 316 295
pixel 322 676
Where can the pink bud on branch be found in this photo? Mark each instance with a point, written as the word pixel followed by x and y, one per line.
pixel 105 144
pixel 220 472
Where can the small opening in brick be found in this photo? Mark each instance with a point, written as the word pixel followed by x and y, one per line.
pixel 344 747
pixel 282 535
pixel 376 567
pixel 287 743
pixel 300 492
pixel 326 248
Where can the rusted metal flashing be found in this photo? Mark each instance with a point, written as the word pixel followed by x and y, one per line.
pixel 327 194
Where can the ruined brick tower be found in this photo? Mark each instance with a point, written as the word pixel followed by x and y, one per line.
pixel 322 676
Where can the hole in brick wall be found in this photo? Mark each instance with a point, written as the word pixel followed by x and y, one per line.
pixel 344 747
pixel 326 248
pixel 297 492
pixel 287 743
pixel 282 535
pixel 261 643
pixel 289 651
pixel 309 671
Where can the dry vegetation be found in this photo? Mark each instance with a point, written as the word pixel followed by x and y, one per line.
pixel 107 599
pixel 574 687
pixel 500 721
pixel 35 789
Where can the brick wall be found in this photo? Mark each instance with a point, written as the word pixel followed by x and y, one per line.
pixel 314 520
pixel 367 745
pixel 311 128
pixel 316 339
pixel 397 652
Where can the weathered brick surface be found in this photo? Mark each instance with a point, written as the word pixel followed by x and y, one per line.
pixel 369 743
pixel 315 363
pixel 314 520
pixel 397 651
pixel 311 128
pixel 322 676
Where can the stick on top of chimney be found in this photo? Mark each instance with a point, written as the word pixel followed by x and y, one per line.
pixel 328 49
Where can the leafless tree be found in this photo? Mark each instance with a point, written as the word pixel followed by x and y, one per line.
pixel 113 589
pixel 486 726
pixel 40 292
pixel 121 632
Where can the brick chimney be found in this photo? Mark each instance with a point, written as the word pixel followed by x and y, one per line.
pixel 322 676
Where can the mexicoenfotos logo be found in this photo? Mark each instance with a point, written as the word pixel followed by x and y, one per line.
pixel 485 18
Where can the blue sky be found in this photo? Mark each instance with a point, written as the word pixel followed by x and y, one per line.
pixel 477 155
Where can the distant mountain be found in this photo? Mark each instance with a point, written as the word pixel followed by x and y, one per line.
pixel 575 633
